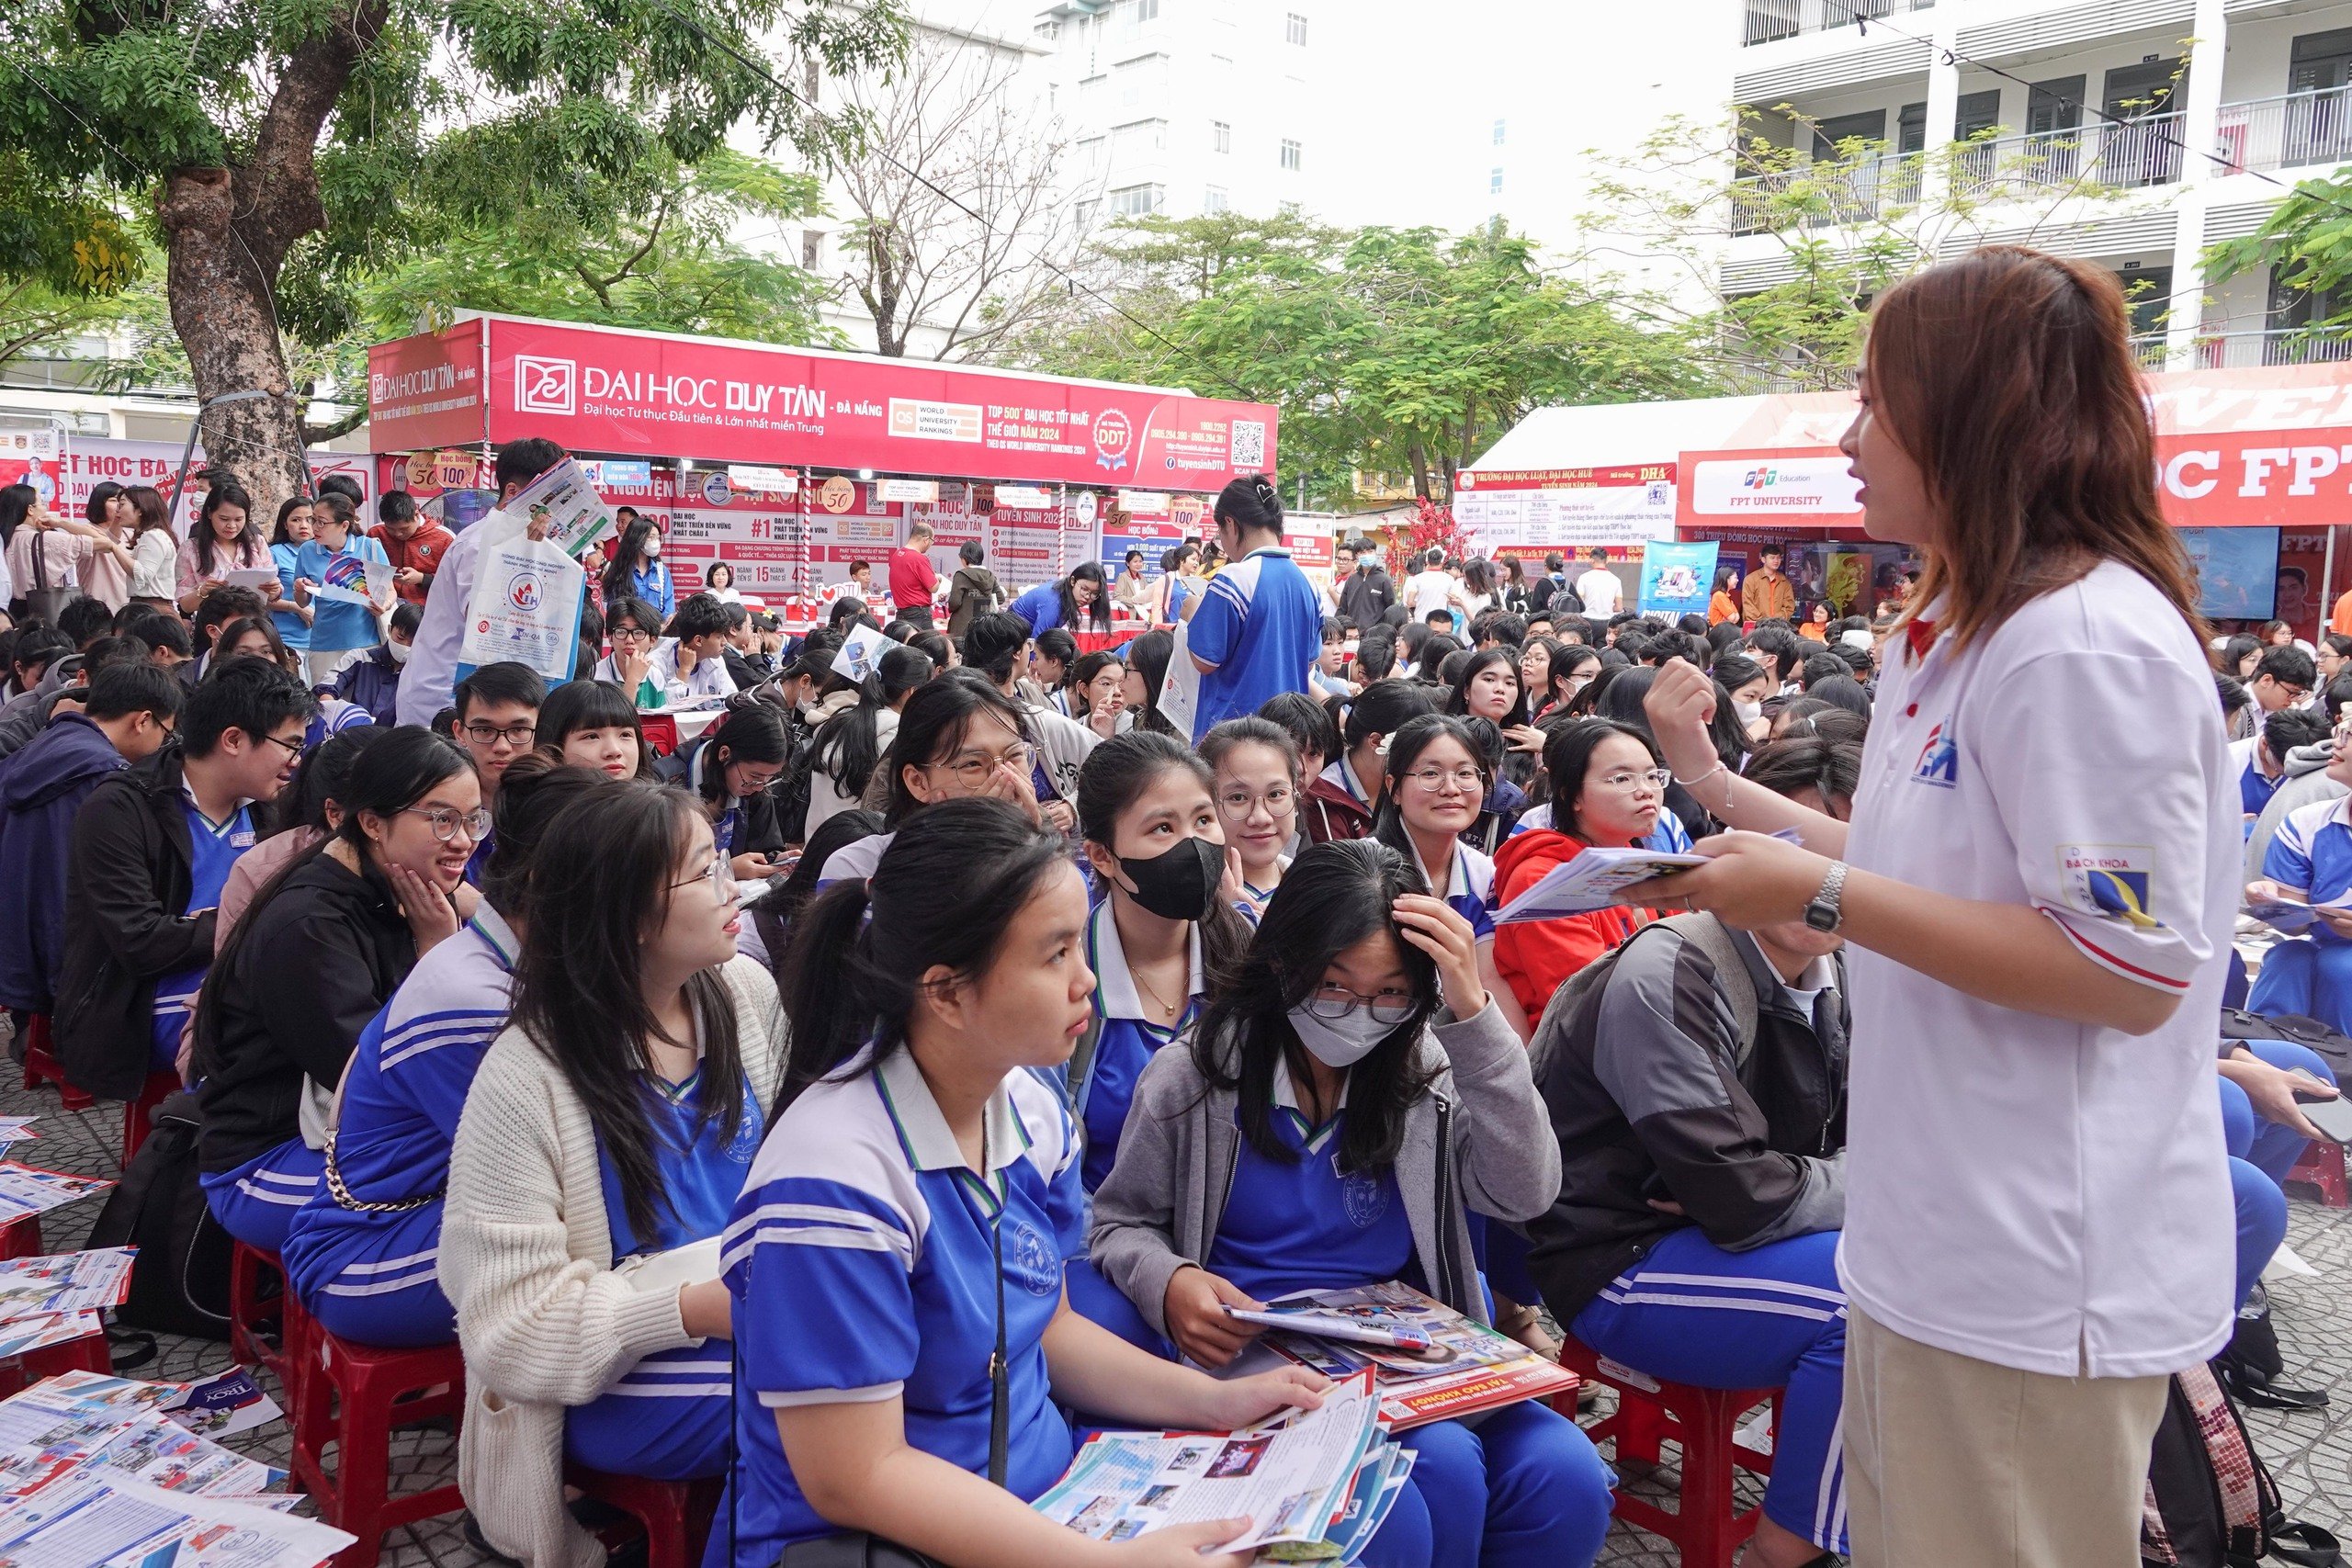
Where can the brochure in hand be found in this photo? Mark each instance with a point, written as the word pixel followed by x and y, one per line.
pixel 1312 1484
pixel 1469 1367
pixel 1590 880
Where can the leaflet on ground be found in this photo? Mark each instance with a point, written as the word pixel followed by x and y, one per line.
pixel 1290 1477
pixel 25 1189
pixel 65 1282
pixel 1469 1367
pixel 64 1425
pixel 103 1519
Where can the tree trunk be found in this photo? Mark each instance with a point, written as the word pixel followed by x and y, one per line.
pixel 227 233
pixel 221 308
pixel 1418 457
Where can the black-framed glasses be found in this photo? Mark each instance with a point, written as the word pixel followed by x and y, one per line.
pixel 447 820
pixel 293 747
pixel 631 635
pixel 516 734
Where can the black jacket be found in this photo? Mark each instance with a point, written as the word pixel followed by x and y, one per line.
pixel 1650 1099
pixel 129 873
pixel 759 829
pixel 307 970
pixel 1364 596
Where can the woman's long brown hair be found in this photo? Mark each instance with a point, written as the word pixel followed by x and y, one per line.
pixel 2008 377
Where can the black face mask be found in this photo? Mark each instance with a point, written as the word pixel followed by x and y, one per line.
pixel 1177 884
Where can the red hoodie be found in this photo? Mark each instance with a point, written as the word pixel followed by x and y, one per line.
pixel 1535 957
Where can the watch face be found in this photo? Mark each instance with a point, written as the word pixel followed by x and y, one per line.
pixel 1821 917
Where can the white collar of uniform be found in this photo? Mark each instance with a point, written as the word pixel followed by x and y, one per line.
pixel 2342 814
pixel 1286 1092
pixel 188 790
pixel 1116 983
pixel 923 1130
pixel 1340 774
pixel 1457 880
pixel 1819 976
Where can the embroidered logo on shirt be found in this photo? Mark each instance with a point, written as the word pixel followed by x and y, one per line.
pixel 1028 1261
pixel 2115 882
pixel 1939 758
pixel 1366 1199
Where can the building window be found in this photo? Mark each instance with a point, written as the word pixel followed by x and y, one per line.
pixel 1139 138
pixel 1135 201
pixel 1494 182
pixel 1220 136
pixel 1147 11
pixel 1145 74
pixel 1213 200
pixel 1086 210
pixel 1498 133
pixel 1048 31
pixel 1295 29
pixel 1290 154
pixel 1090 152
pixel 812 247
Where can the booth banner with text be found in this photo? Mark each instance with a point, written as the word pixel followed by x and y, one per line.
pixel 1539 510
pixel 1783 487
pixel 34 457
pixel 603 390
pixel 1677 579
pixel 90 461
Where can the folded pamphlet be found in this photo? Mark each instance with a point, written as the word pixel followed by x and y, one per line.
pixel 1590 881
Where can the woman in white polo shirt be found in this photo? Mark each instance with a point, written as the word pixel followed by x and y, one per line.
pixel 2036 888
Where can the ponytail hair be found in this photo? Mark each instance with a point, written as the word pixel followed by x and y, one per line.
pixel 849 746
pixel 943 895
pixel 1250 502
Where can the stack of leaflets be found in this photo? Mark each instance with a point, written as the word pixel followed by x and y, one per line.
pixel 100 1472
pixel 49 1301
pixel 1466 1367
pixel 1313 1484
pixel 1590 879
pixel 26 1191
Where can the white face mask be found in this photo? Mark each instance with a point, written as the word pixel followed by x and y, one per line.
pixel 1340 1041
pixel 1749 712
pixel 400 651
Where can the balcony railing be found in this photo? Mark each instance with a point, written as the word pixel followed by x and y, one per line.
pixel 1826 195
pixel 1770 20
pixel 2290 133
pixel 2123 155
pixel 2240 351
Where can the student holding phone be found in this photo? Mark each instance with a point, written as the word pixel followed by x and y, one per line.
pixel 730 770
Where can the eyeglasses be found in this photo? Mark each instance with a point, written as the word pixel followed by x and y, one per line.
pixel 517 733
pixel 1434 779
pixel 2294 694
pixel 1654 782
pixel 1332 1001
pixel 719 874
pixel 630 634
pixel 973 772
pixel 447 820
pixel 1241 803
pixel 293 747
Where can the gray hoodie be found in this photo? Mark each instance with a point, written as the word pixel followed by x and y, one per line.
pixel 1478 1138
pixel 2305 782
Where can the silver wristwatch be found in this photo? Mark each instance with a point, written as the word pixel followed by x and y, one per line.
pixel 1824 913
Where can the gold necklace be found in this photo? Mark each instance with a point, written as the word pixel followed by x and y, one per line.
pixel 1145 988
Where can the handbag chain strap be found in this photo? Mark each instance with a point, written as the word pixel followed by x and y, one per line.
pixel 344 1200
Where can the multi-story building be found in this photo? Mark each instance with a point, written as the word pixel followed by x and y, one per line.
pixel 1190 107
pixel 2132 133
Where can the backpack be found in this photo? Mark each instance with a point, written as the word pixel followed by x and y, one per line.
pixel 2295 1029
pixel 2209 1501
pixel 179 1280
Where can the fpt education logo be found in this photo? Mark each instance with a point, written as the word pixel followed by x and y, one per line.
pixel 1759 479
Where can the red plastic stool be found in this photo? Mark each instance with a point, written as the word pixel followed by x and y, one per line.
pixel 250 1316
pixel 2322 1167
pixel 674 1515
pixel 139 1116
pixel 1705 1422
pixel 88 1354
pixel 21 1237
pixel 661 732
pixel 40 1066
pixel 354 1397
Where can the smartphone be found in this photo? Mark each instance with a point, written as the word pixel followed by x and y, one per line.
pixel 2332 1117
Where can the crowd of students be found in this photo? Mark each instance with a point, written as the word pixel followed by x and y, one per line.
pixel 905 1076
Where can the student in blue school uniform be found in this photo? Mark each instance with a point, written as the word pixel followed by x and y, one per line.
pixel 337 558
pixel 347 919
pixel 607 1134
pixel 729 770
pixel 1147 808
pixel 1328 1127
pixel 2261 759
pixel 1434 788
pixel 924 1169
pixel 1076 602
pixel 1258 628
pixel 361 1253
pixel 2309 860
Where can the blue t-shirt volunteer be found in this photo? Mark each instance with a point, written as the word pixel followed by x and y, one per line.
pixel 1261 625
pixel 213 849
pixel 338 625
pixel 860 1257
pixel 292 629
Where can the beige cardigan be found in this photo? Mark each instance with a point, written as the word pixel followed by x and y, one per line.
pixel 526 1258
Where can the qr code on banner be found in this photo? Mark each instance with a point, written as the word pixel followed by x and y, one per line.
pixel 1249 443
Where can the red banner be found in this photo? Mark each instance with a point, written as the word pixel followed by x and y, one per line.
pixel 596 390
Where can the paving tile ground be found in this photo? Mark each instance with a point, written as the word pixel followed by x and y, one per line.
pixel 2310 1453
